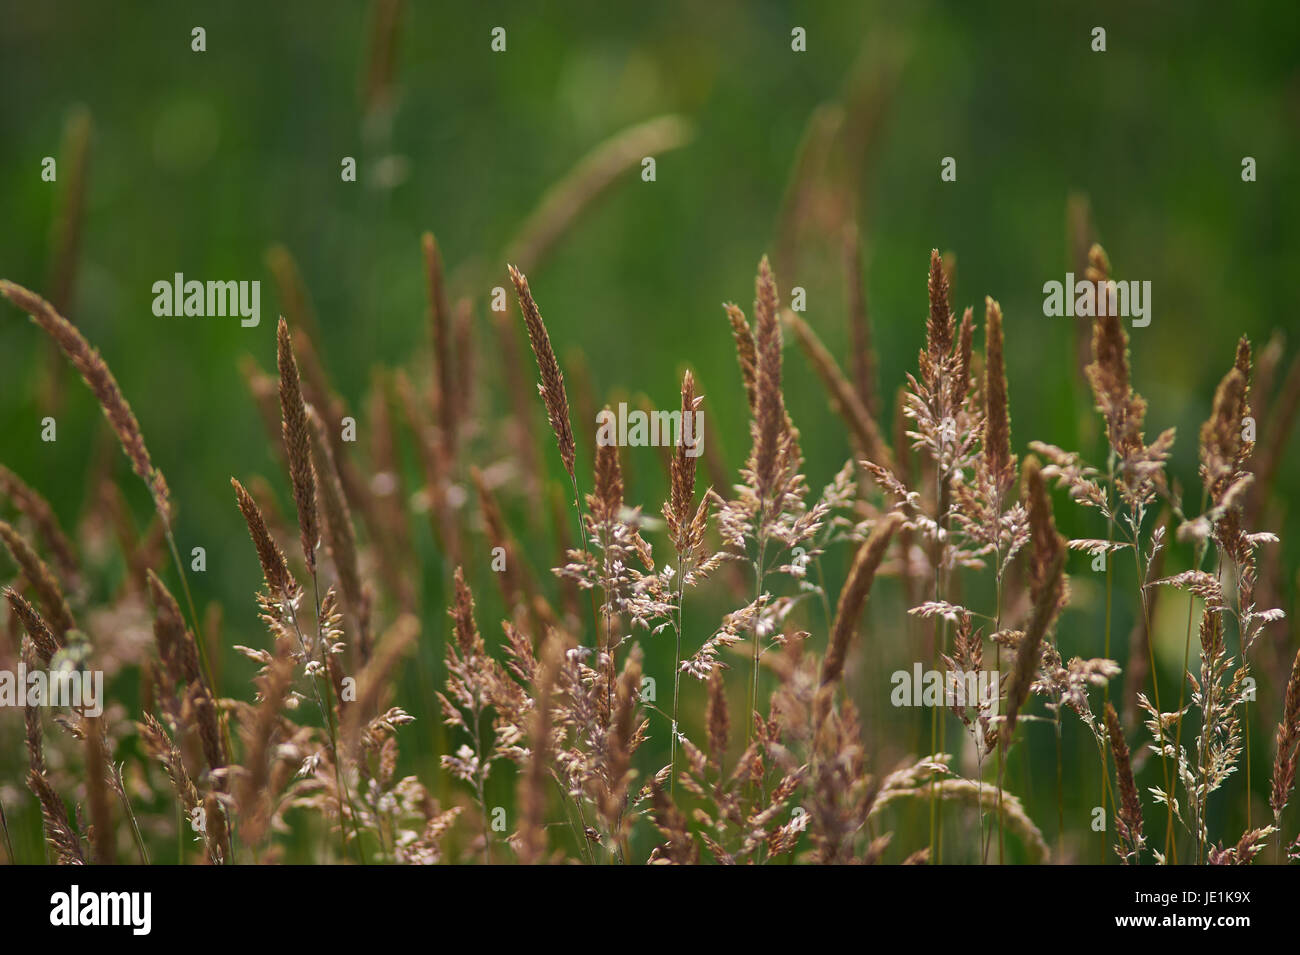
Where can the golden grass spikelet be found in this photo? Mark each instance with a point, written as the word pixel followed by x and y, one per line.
pixel 462 613
pixel 95 373
pixel 42 579
pixel 32 715
pixel 59 833
pixel 275 567
pixel 551 386
pixel 44 641
pixel 607 499
pixel 997 416
pixel 1221 449
pixel 297 444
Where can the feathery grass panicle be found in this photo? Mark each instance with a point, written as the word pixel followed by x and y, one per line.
pixel 1046 587
pixel 41 578
pixel 61 835
pixel 297 444
pixel 1242 361
pixel 746 353
pixel 853 596
pixel 997 416
pixel 960 382
pixel 1108 373
pixel 678 509
pixel 1129 813
pixel 621 740
pixel 462 614
pixel 939 327
pixel 1288 739
pixel 569 717
pixel 340 535
pixel 159 745
pixel 94 372
pixel 1047 547
pixel 1222 448
pixel 551 386
pixel 680 847
pixel 34 734
pixel 259 733
pixel 43 639
pixel 177 649
pixel 275 567
pixel 179 652
pixel 770 431
pixel 606 500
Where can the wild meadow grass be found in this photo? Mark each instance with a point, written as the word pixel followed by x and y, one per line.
pixel 935 544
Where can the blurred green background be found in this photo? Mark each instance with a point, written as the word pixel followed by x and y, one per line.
pixel 200 161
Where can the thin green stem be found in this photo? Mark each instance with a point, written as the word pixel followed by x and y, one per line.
pixel 758 614
pixel 677 673
pixel 1060 794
